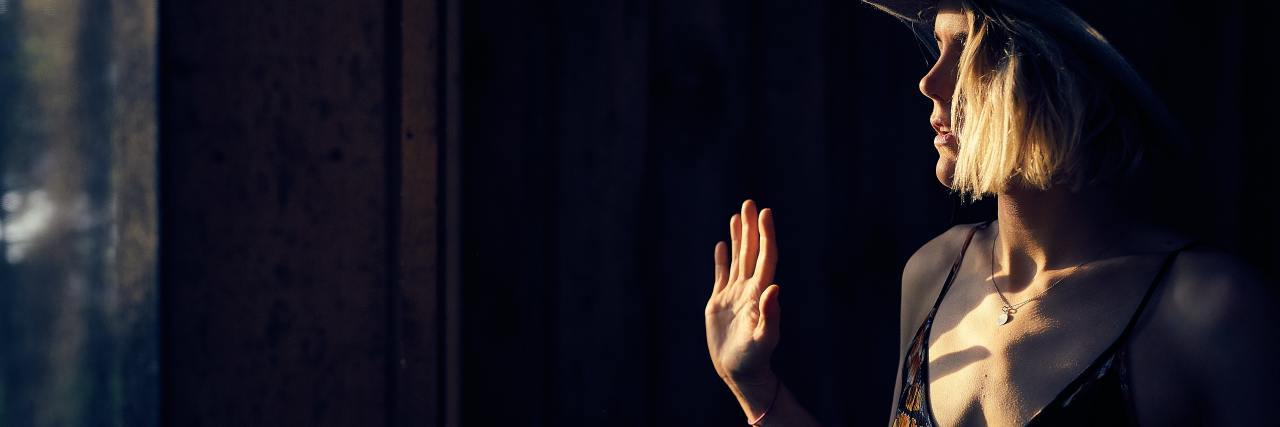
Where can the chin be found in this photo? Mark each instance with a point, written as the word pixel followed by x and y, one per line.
pixel 946 171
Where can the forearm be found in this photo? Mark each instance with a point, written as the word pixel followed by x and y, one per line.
pixel 756 396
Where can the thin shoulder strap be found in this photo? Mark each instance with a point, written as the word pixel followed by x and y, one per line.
pixel 955 266
pixel 1151 289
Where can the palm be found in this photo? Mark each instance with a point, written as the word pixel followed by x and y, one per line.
pixel 742 314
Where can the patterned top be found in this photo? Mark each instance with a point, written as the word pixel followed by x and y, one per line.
pixel 1099 396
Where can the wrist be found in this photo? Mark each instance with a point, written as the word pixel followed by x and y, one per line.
pixel 755 393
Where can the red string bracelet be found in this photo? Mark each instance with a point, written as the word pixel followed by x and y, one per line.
pixel 776 388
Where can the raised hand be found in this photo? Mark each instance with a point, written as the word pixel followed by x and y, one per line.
pixel 742 314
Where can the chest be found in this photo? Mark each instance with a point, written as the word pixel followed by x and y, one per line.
pixel 985 373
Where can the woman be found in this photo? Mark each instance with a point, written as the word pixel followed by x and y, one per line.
pixel 1074 307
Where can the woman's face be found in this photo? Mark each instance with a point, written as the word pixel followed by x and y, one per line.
pixel 939 84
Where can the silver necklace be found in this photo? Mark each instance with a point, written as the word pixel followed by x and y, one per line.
pixel 1009 309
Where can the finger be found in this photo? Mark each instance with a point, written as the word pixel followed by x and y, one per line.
pixel 771 315
pixel 735 231
pixel 722 267
pixel 750 241
pixel 767 262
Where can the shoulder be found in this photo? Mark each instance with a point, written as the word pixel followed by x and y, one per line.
pixel 1209 291
pixel 936 255
pixel 1219 314
pixel 925 271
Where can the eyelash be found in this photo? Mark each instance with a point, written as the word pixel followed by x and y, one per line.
pixel 959 39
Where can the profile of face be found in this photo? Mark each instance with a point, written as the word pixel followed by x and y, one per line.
pixel 939 84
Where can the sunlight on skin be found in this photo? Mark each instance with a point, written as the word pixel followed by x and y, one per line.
pixel 743 317
pixel 939 84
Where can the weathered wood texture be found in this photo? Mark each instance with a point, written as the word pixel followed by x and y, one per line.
pixel 419 378
pixel 298 200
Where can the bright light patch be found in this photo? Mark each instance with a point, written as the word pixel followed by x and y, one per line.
pixel 11 201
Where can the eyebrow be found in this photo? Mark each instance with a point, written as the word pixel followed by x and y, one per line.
pixel 960 35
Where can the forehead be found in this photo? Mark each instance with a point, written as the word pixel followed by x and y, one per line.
pixel 949 20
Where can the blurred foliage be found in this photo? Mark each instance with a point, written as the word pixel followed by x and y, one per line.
pixel 77 282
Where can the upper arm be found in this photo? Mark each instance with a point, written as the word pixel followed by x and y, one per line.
pixel 1223 317
pixel 922 279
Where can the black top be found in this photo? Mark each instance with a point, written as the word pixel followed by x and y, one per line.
pixel 1099 396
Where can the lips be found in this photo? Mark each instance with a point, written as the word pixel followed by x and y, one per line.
pixel 947 142
pixel 940 125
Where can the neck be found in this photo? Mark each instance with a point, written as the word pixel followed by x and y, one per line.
pixel 1051 230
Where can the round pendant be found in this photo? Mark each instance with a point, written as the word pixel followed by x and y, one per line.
pixel 1003 318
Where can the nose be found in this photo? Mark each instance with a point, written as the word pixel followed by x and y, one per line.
pixel 938 83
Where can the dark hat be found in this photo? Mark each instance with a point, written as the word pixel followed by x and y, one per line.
pixel 1048 15
pixel 1057 21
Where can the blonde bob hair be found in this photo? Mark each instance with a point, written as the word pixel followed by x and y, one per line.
pixel 1043 100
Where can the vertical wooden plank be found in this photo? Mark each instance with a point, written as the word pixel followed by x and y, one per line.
pixel 704 139
pixel 507 234
pixel 450 172
pixel 597 162
pixel 273 212
pixel 1260 205
pixel 418 382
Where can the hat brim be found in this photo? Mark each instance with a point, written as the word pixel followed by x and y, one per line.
pixel 907 10
pixel 916 14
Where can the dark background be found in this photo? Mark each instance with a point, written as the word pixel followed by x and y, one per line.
pixel 606 144
pixel 312 208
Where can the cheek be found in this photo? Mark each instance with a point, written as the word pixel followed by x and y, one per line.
pixel 947 76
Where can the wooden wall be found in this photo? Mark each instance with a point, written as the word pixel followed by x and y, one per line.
pixel 299 213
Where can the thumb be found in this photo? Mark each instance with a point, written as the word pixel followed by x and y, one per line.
pixel 771 313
